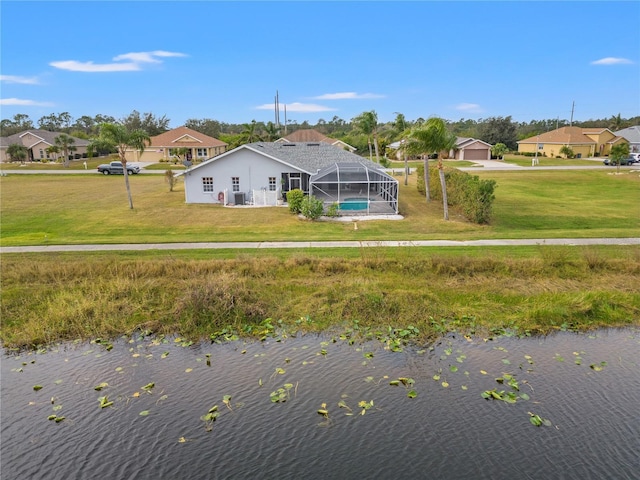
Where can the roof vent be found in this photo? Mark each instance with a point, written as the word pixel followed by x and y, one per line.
pixel 288 144
pixel 313 144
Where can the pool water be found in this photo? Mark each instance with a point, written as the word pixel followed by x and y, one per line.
pixel 353 204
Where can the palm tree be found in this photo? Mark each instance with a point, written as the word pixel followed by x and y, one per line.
pixel 117 136
pixel 65 143
pixel 429 138
pixel 618 152
pixel 53 151
pixel 17 152
pixel 249 133
pixel 367 123
pixel 499 149
pixel 616 123
pixel 271 132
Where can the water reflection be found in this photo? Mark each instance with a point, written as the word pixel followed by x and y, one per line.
pixel 587 386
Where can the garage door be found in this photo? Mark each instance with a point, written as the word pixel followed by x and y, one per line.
pixel 476 154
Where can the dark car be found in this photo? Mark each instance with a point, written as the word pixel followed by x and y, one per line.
pixel 624 161
pixel 115 168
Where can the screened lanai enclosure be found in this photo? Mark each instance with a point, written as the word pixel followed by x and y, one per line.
pixel 357 189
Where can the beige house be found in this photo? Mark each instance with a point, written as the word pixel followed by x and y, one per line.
pixel 310 135
pixel 167 145
pixel 37 143
pixel 585 142
pixel 471 149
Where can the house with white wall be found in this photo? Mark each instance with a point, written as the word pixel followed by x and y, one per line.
pixel 262 173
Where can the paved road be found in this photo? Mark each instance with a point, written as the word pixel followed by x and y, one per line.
pixel 481 165
pixel 337 244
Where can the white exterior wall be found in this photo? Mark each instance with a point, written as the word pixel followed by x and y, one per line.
pixel 251 168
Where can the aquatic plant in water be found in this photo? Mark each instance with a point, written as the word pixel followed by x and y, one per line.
pixel 281 395
pixel 210 417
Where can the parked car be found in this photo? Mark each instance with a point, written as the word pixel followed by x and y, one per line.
pixel 115 168
pixel 635 156
pixel 624 161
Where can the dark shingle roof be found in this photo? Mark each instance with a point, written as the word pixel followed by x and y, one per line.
pixel 308 156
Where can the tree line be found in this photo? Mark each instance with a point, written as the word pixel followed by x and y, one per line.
pixel 365 131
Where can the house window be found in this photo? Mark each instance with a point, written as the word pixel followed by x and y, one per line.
pixel 272 184
pixel 235 183
pixel 540 146
pixel 41 153
pixel 201 152
pixel 207 184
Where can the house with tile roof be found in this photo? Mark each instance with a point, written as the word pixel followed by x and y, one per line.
pixel 165 147
pixel 632 135
pixel 311 135
pixel 585 142
pixel 37 141
pixel 261 173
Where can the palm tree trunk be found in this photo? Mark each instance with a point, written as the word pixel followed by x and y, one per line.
pixel 375 143
pixel 406 169
pixel 123 160
pixel 126 182
pixel 427 189
pixel 443 185
pixel 370 151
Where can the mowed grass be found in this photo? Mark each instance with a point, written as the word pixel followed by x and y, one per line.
pixel 61 209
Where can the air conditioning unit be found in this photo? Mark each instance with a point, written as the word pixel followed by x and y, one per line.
pixel 238 198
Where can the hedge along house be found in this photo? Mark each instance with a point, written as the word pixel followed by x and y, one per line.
pixel 262 173
pixel 585 142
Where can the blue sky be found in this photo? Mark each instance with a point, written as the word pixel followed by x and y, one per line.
pixel 225 60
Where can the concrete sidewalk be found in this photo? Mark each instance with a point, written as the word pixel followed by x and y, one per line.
pixel 336 244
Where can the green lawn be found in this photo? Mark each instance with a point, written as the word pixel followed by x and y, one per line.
pixel 61 209
pixel 549 162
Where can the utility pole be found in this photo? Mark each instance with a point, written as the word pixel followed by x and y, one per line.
pixel 572 107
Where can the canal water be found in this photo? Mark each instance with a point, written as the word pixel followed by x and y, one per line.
pixel 313 407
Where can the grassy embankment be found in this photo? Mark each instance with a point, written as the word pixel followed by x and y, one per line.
pixel 51 297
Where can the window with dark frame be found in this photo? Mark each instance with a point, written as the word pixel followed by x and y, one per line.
pixel 272 184
pixel 207 184
pixel 235 184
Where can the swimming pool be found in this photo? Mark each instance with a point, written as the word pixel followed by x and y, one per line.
pixel 353 204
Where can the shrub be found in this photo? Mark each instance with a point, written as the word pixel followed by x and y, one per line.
pixel 311 207
pixel 474 197
pixel 332 210
pixel 294 199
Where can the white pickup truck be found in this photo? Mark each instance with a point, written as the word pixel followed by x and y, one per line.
pixel 115 168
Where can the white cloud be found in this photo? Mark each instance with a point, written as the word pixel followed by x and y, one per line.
pixel 135 59
pixel 75 66
pixel 297 107
pixel 24 103
pixel 347 96
pixel 612 61
pixel 147 57
pixel 17 79
pixel 469 107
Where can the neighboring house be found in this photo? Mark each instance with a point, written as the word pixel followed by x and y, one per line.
pixel 261 173
pixel 632 135
pixel 466 149
pixel 585 142
pixel 37 142
pixel 164 147
pixel 471 149
pixel 310 135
